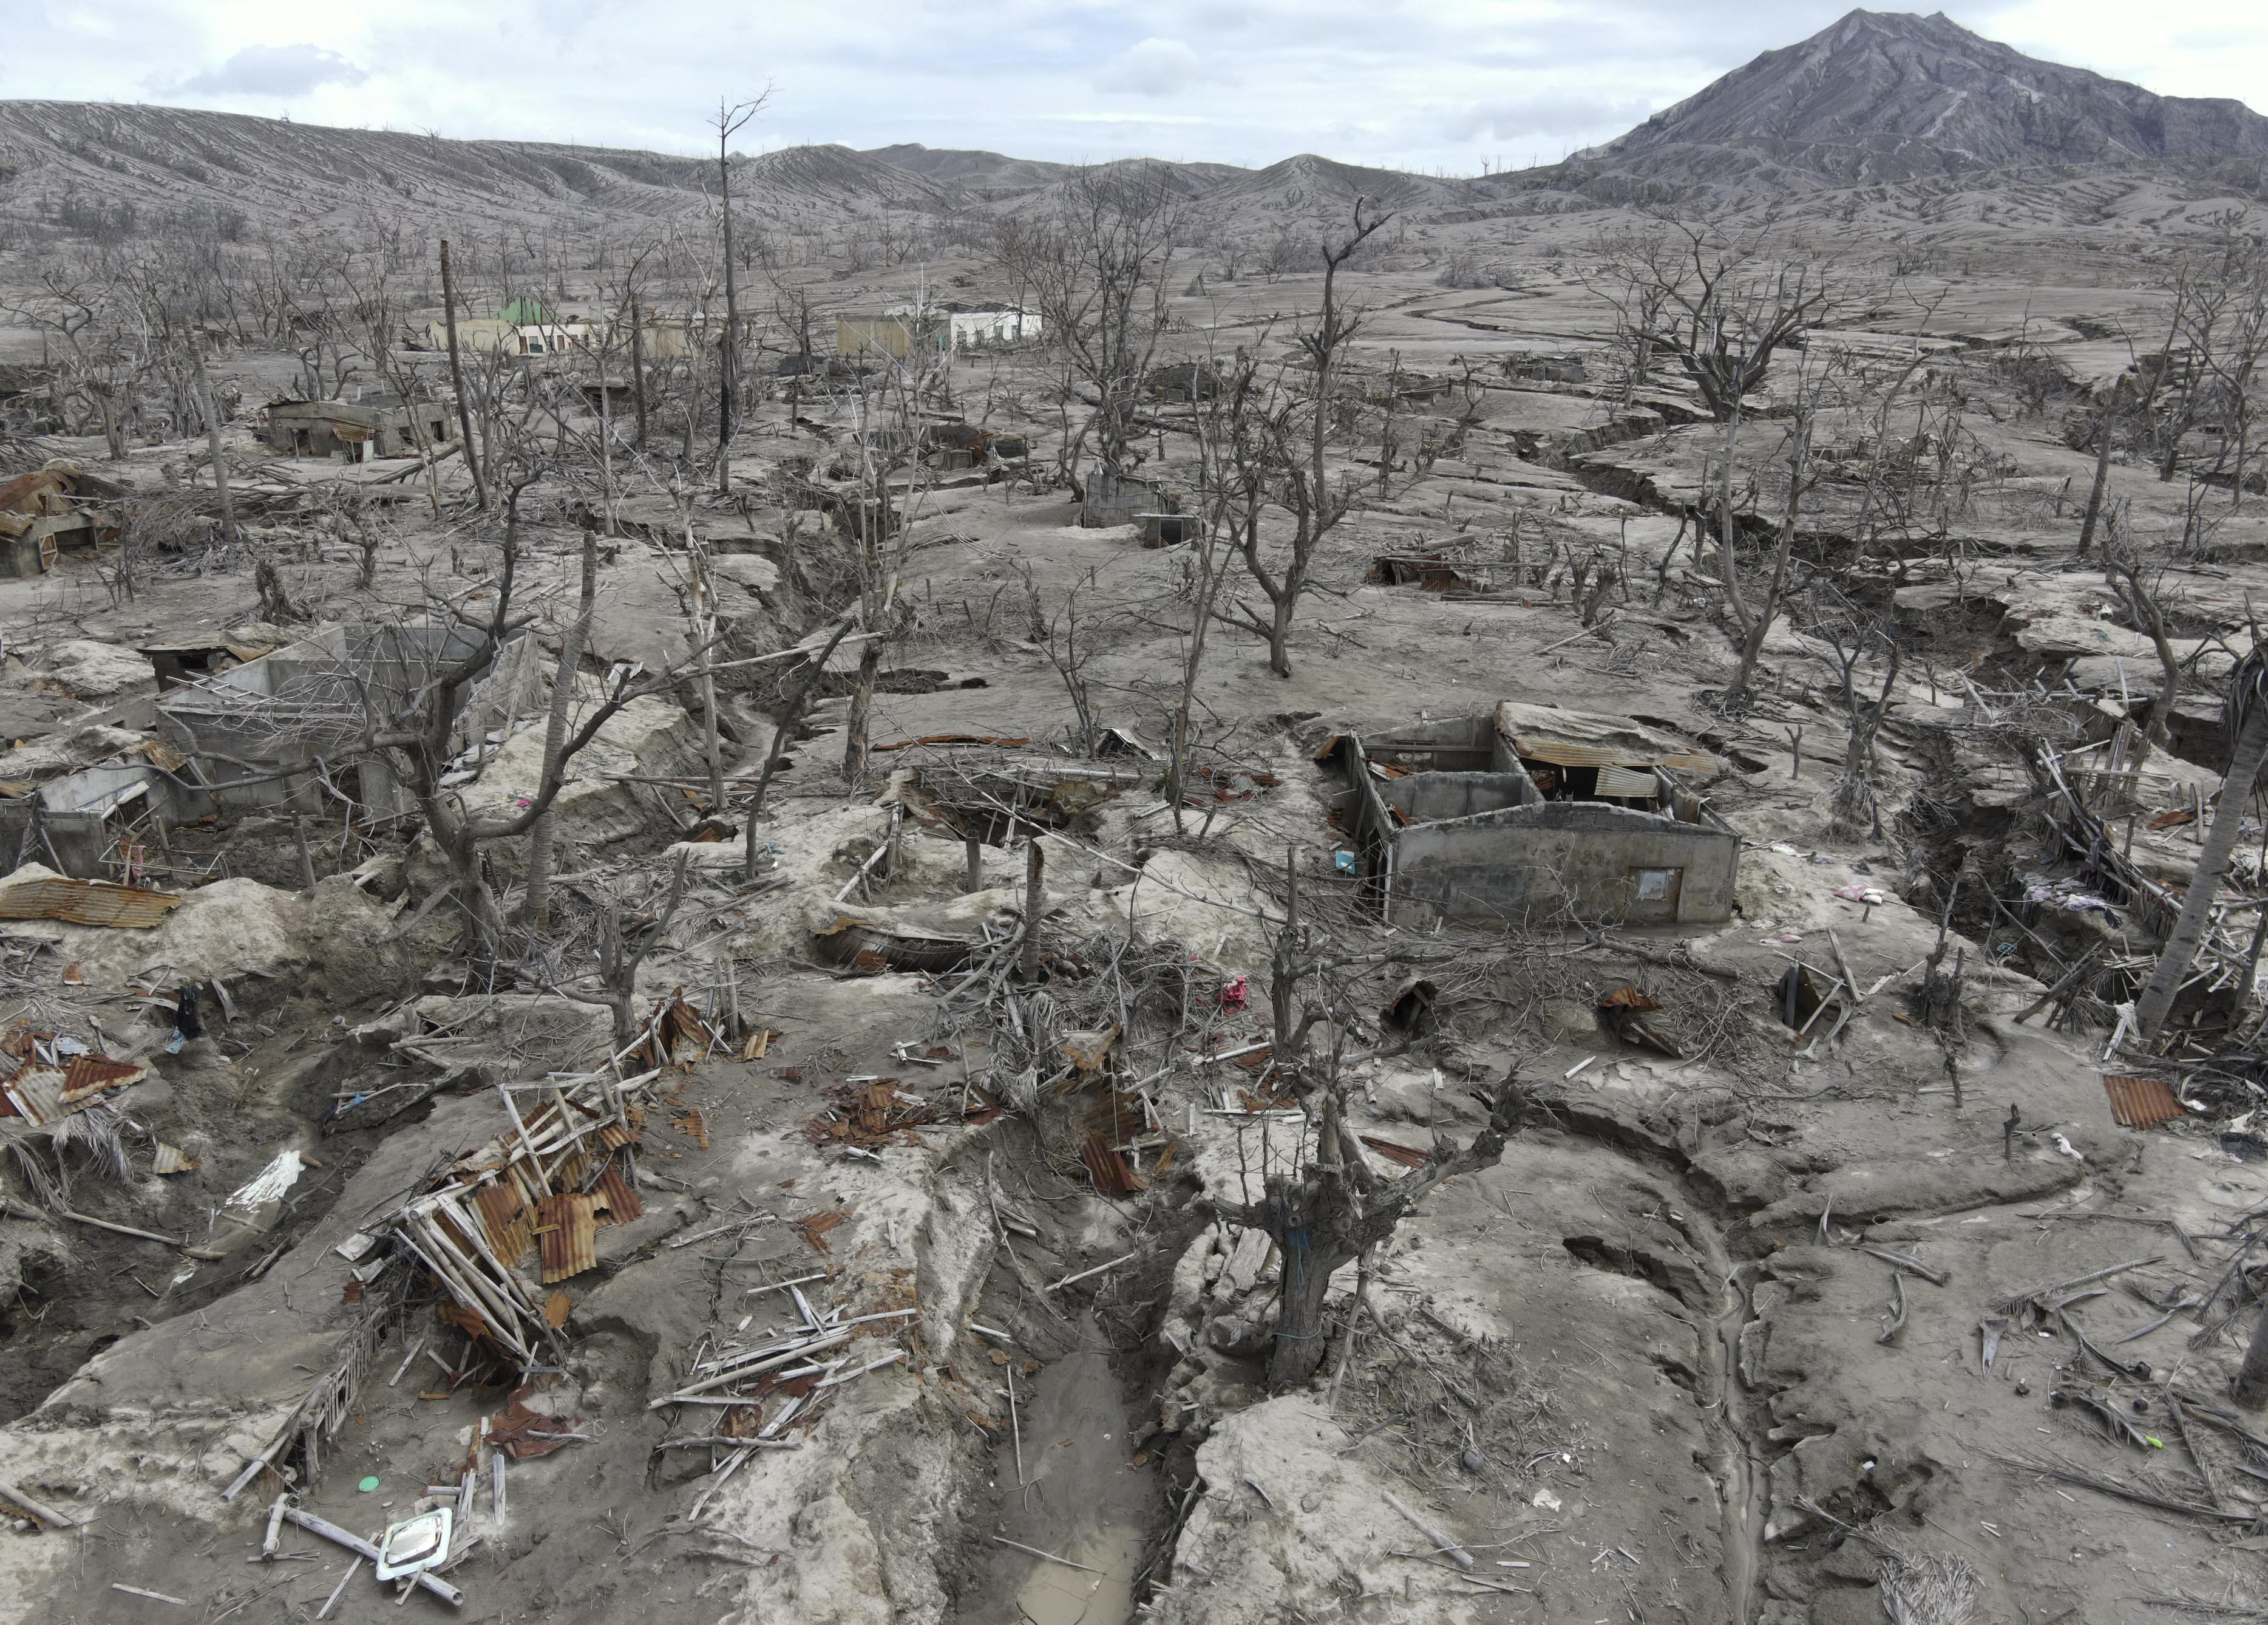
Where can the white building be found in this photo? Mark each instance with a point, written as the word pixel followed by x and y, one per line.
pixel 974 328
pixel 970 330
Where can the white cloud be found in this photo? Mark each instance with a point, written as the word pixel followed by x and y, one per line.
pixel 274 73
pixel 1155 68
pixel 1520 118
pixel 1413 84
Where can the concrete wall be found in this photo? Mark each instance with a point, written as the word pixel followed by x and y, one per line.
pixel 313 691
pixel 1601 861
pixel 1466 744
pixel 1427 798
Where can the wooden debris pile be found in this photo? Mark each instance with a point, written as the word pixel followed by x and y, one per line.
pixel 865 1114
pixel 787 1380
pixel 567 1166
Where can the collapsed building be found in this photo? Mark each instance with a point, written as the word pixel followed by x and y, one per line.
pixel 1529 812
pixel 280 732
pixel 354 430
pixel 50 510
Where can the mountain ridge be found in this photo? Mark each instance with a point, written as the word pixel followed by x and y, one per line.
pixel 1911 93
pixel 1873 99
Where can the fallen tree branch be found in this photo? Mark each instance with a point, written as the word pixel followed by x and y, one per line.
pixel 22 1211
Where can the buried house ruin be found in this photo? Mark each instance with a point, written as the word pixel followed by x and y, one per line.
pixel 280 732
pixel 354 430
pixel 1530 812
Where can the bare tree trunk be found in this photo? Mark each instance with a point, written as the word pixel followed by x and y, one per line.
pixel 1727 553
pixel 536 907
pixel 212 444
pixel 457 380
pixel 789 718
pixel 704 628
pixel 2095 492
pixel 2157 1000
pixel 637 368
pixel 729 357
pixel 862 705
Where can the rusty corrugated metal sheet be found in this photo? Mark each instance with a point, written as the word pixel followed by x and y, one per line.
pixel 86 903
pixel 89 1076
pixel 567 1231
pixel 505 1221
pixel 2141 1103
pixel 37 1094
pixel 614 1136
pixel 1109 1169
pixel 616 1199
pixel 172 1160
pixel 23 493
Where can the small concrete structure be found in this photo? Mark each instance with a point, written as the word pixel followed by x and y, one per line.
pixel 1530 813
pixel 353 431
pixel 1109 498
pixel 179 662
pixel 76 822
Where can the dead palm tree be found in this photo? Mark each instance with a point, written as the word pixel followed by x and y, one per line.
pixel 2244 719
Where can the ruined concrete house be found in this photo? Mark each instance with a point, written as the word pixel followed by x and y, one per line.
pixel 281 731
pixel 49 511
pixel 891 335
pixel 353 431
pixel 1532 812
pixel 975 329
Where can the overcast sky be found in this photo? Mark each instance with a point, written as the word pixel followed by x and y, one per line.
pixel 1448 85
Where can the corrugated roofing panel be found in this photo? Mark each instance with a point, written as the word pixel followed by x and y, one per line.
pixel 505 1221
pixel 86 903
pixel 614 1136
pixel 567 1231
pixel 2141 1103
pixel 89 1076
pixel 616 1199
pixel 1636 784
pixel 1109 1169
pixel 37 1094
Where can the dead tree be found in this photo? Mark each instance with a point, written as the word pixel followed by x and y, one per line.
pixel 2244 720
pixel 1853 806
pixel 535 905
pixel 1281 452
pixel 414 728
pixel 791 715
pixel 2123 569
pixel 1096 267
pixel 624 946
pixel 1067 638
pixel 212 444
pixel 1205 564
pixel 1338 1207
pixel 1719 310
pixel 1801 477
pixel 731 116
pixel 457 381
pixel 890 438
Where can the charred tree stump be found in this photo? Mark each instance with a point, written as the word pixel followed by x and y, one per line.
pixel 1338 1208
